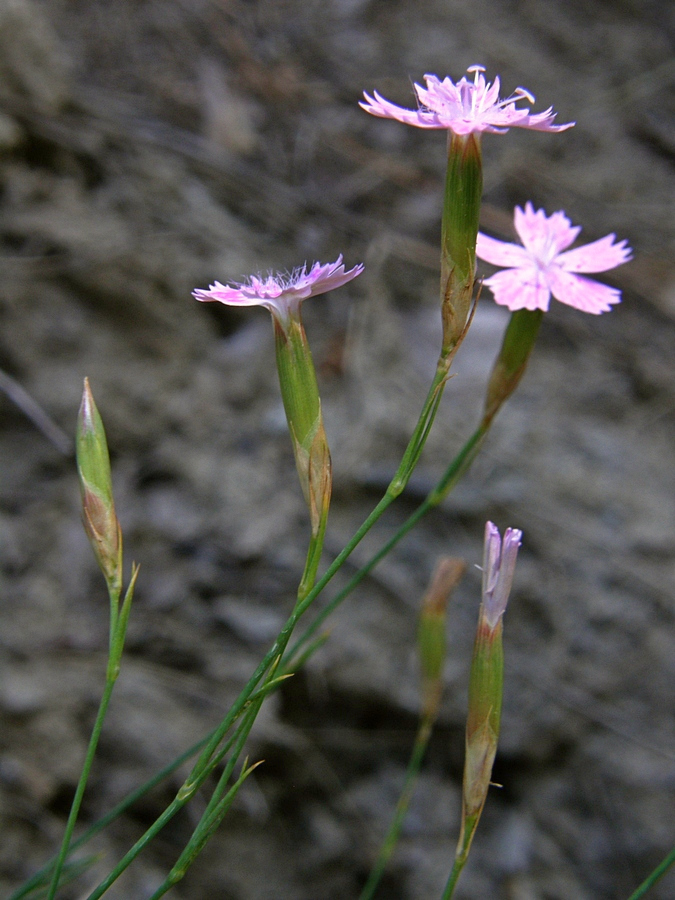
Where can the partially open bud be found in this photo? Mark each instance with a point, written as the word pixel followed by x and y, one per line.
pixel 487 675
pixel 431 641
pixel 98 508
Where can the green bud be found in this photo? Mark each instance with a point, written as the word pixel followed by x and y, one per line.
pixel 431 639
pixel 98 508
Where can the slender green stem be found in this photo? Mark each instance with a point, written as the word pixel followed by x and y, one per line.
pixel 450 477
pixel 313 559
pixel 457 867
pixel 219 804
pixel 205 763
pixel 397 484
pixel 215 810
pixel 655 876
pixel 118 626
pixel 174 807
pixel 82 783
pixel 116 811
pixel 419 750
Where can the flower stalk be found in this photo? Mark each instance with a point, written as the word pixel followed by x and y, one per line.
pixel 431 645
pixel 105 535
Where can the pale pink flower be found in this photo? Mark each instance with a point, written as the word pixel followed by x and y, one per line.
pixel 466 107
pixel 499 564
pixel 282 292
pixel 539 268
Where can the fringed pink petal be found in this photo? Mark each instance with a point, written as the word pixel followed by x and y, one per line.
pixel 501 253
pixel 519 289
pixel 582 293
pixel 599 256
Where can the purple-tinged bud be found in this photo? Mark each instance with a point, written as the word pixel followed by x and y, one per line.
pixel 499 564
pixel 98 508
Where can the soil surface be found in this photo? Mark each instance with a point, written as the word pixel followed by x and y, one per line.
pixel 147 148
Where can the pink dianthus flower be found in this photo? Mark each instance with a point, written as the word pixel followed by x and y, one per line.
pixel 540 268
pixel 466 107
pixel 281 293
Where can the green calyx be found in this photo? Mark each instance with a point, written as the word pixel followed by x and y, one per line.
pixel 297 378
pixel 300 394
pixel 459 230
pixel 519 339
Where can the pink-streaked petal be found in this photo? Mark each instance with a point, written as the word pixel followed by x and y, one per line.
pixel 492 551
pixel 378 106
pixel 544 122
pixel 523 288
pixel 599 256
pixel 226 294
pixel 331 276
pixel 561 232
pixel 501 253
pixel 582 293
pixel 544 236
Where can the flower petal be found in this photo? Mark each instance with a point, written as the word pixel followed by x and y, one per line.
pixel 501 253
pixel 225 293
pixel 523 288
pixel 544 236
pixel 328 277
pixel 378 106
pixel 582 293
pixel 598 256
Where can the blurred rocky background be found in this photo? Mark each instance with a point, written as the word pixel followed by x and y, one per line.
pixel 151 146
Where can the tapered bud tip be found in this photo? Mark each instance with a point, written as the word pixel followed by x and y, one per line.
pixel 431 632
pixel 88 415
pixel 447 575
pixel 93 460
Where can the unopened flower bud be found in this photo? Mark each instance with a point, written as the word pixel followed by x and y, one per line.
pixel 98 508
pixel 431 639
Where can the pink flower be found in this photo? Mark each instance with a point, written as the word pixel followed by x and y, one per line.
pixel 282 293
pixel 539 268
pixel 465 107
pixel 499 563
